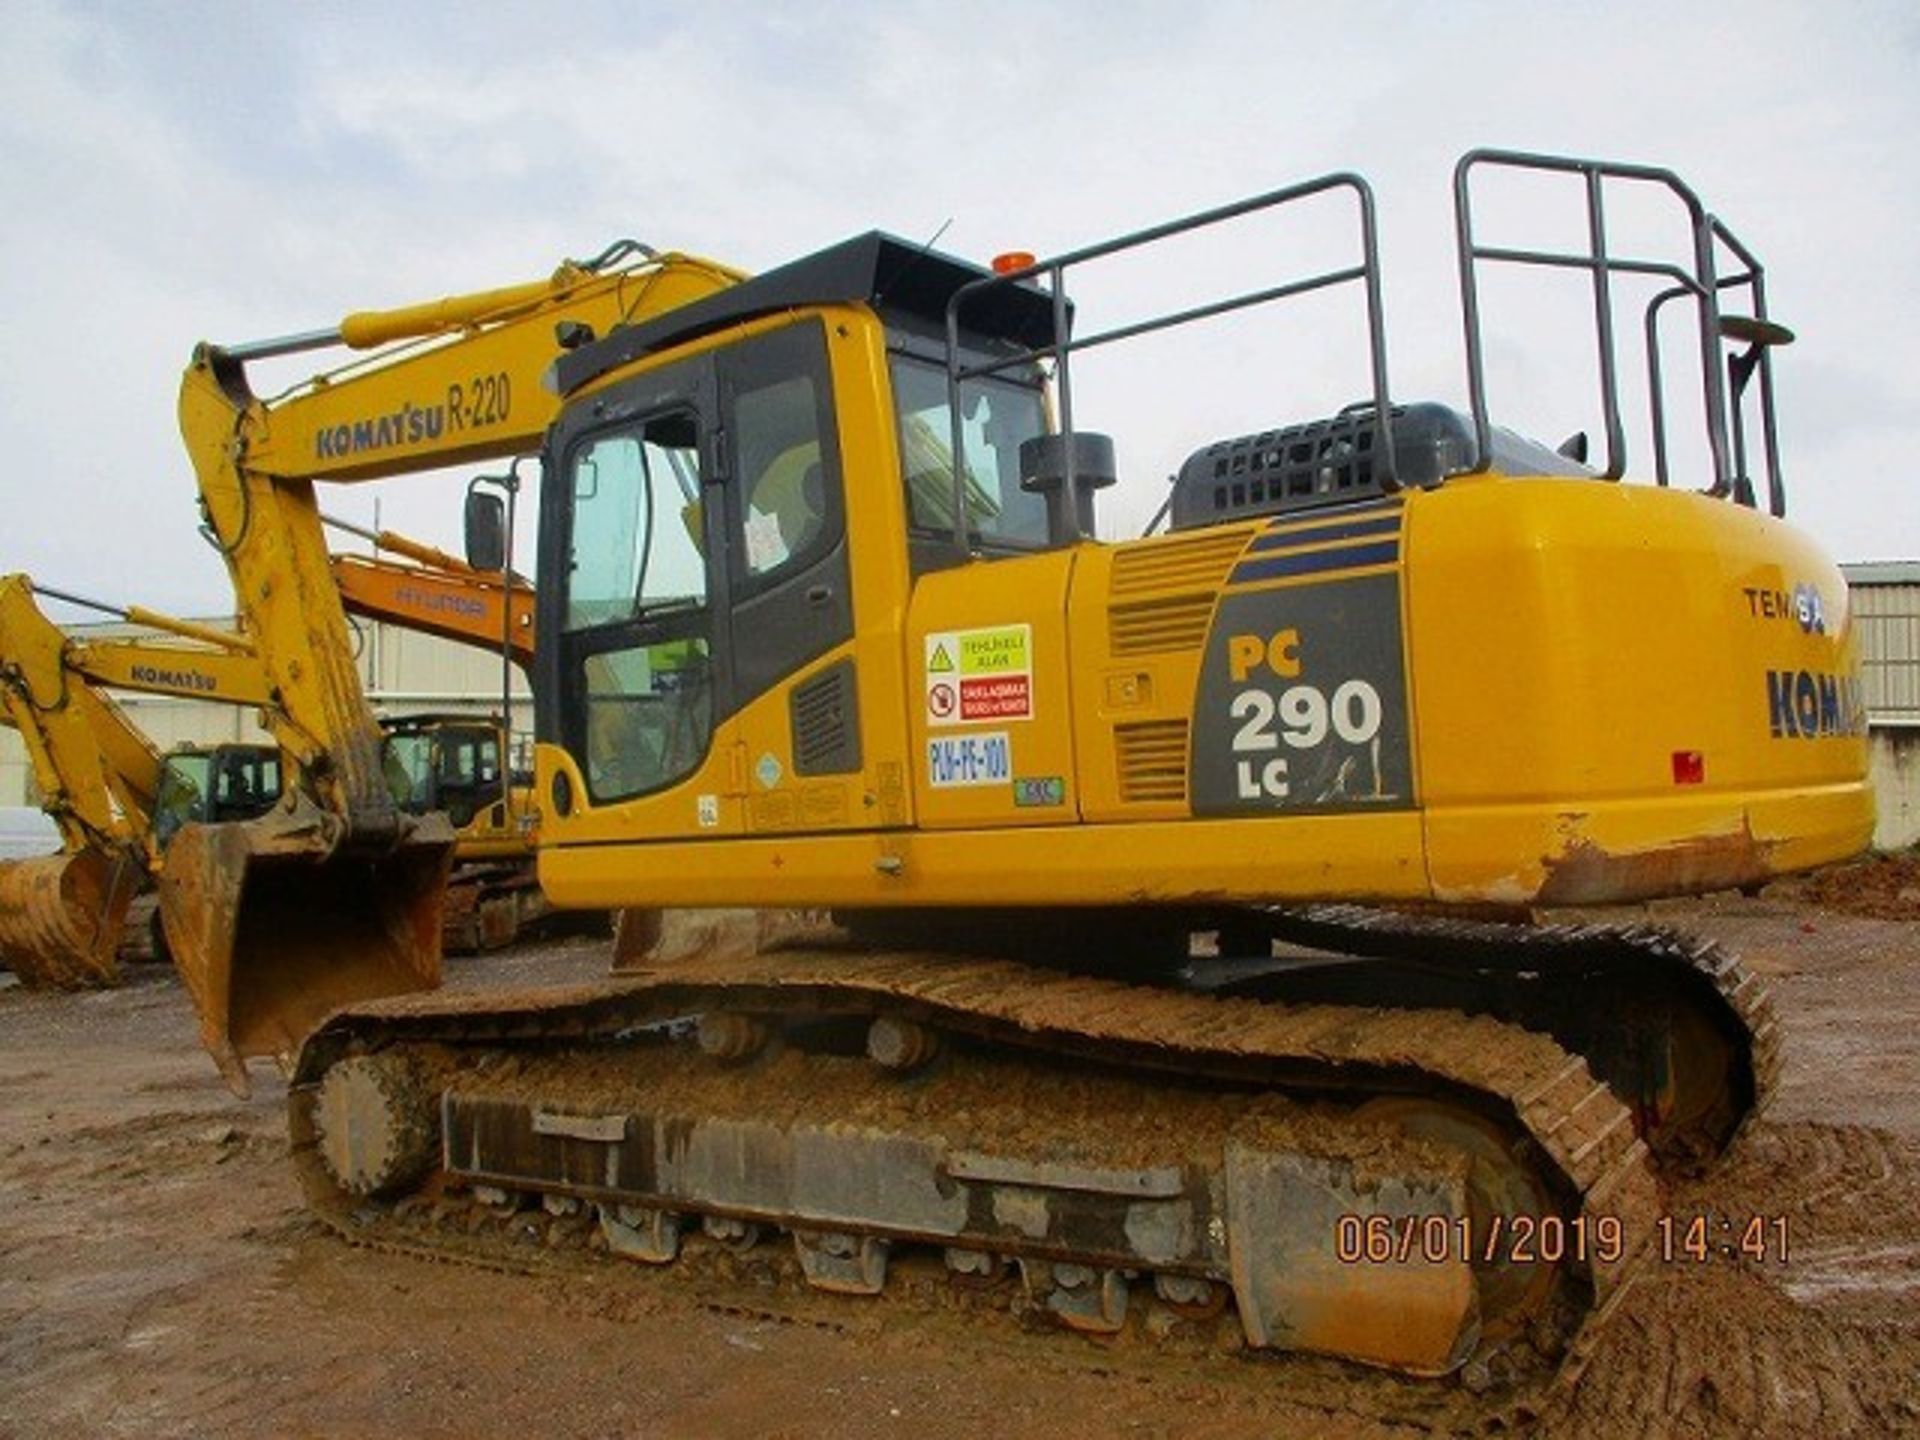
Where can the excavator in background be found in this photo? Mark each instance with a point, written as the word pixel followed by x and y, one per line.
pixel 436 593
pixel 62 918
pixel 116 799
pixel 1161 979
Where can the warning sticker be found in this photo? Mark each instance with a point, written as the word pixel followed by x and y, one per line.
pixel 979 676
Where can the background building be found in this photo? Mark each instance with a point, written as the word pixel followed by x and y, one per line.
pixel 1886 608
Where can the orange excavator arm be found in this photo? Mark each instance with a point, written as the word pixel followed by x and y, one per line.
pixel 435 593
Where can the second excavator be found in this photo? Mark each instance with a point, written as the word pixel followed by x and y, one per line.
pixel 116 799
pixel 119 802
pixel 822 623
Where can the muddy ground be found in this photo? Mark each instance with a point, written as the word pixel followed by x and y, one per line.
pixel 158 1275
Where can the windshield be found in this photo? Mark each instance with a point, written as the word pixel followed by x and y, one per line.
pixel 409 767
pixel 183 793
pixel 996 415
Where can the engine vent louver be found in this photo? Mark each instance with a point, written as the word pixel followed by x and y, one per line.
pixel 825 717
pixel 1163 592
pixel 1152 757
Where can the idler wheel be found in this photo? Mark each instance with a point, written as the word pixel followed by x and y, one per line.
pixel 1501 1186
pixel 378 1124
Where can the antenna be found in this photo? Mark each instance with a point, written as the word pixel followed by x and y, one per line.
pixel 919 255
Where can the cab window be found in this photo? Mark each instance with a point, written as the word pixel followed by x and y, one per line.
pixel 649 715
pixel 639 576
pixel 783 485
pixel 995 417
pixel 636 524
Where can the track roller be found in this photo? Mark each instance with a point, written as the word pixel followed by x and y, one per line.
pixel 734 1234
pixel 844 1263
pixel 634 1232
pixel 1082 1296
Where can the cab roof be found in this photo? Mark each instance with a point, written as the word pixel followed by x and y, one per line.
pixel 897 278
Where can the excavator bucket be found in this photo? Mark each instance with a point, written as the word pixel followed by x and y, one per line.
pixel 273 928
pixel 61 916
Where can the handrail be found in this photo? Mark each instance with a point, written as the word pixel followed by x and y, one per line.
pixel 1367 273
pixel 1726 442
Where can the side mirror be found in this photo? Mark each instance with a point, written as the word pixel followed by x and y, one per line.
pixel 486 527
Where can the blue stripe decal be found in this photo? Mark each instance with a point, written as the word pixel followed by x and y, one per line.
pixel 1349 557
pixel 1294 539
pixel 1347 510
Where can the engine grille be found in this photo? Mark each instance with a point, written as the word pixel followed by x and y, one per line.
pixel 1152 760
pixel 1163 593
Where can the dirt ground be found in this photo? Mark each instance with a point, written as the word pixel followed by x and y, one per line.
pixel 158 1275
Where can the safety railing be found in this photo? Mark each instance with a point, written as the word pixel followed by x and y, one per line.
pixel 1065 345
pixel 1726 442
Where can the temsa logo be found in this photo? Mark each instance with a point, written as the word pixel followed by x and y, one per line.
pixel 1803 606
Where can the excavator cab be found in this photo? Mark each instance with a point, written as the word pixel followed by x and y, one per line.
pixel 214 785
pixel 450 763
pixel 1395 653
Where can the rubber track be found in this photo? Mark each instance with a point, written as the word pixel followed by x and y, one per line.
pixel 1582 1129
pixel 1389 934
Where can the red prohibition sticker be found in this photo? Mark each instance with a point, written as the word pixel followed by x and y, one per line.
pixel 979 676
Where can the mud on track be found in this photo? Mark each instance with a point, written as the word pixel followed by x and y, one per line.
pixel 159 1277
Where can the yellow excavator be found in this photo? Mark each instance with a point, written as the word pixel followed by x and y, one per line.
pixel 116 799
pixel 61 918
pixel 1163 978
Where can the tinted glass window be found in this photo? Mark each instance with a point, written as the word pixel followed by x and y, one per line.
pixel 649 715
pixel 995 417
pixel 777 435
pixel 637 594
pixel 409 767
pixel 636 524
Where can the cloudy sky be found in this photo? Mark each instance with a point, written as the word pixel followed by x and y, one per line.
pixel 170 173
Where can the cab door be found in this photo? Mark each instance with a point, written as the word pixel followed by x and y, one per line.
pixel 637 682
pixel 793 674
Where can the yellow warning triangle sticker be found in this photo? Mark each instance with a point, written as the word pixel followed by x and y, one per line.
pixel 941 661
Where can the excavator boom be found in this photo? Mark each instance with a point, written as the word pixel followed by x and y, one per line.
pixel 463 382
pixel 463 605
pixel 61 915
